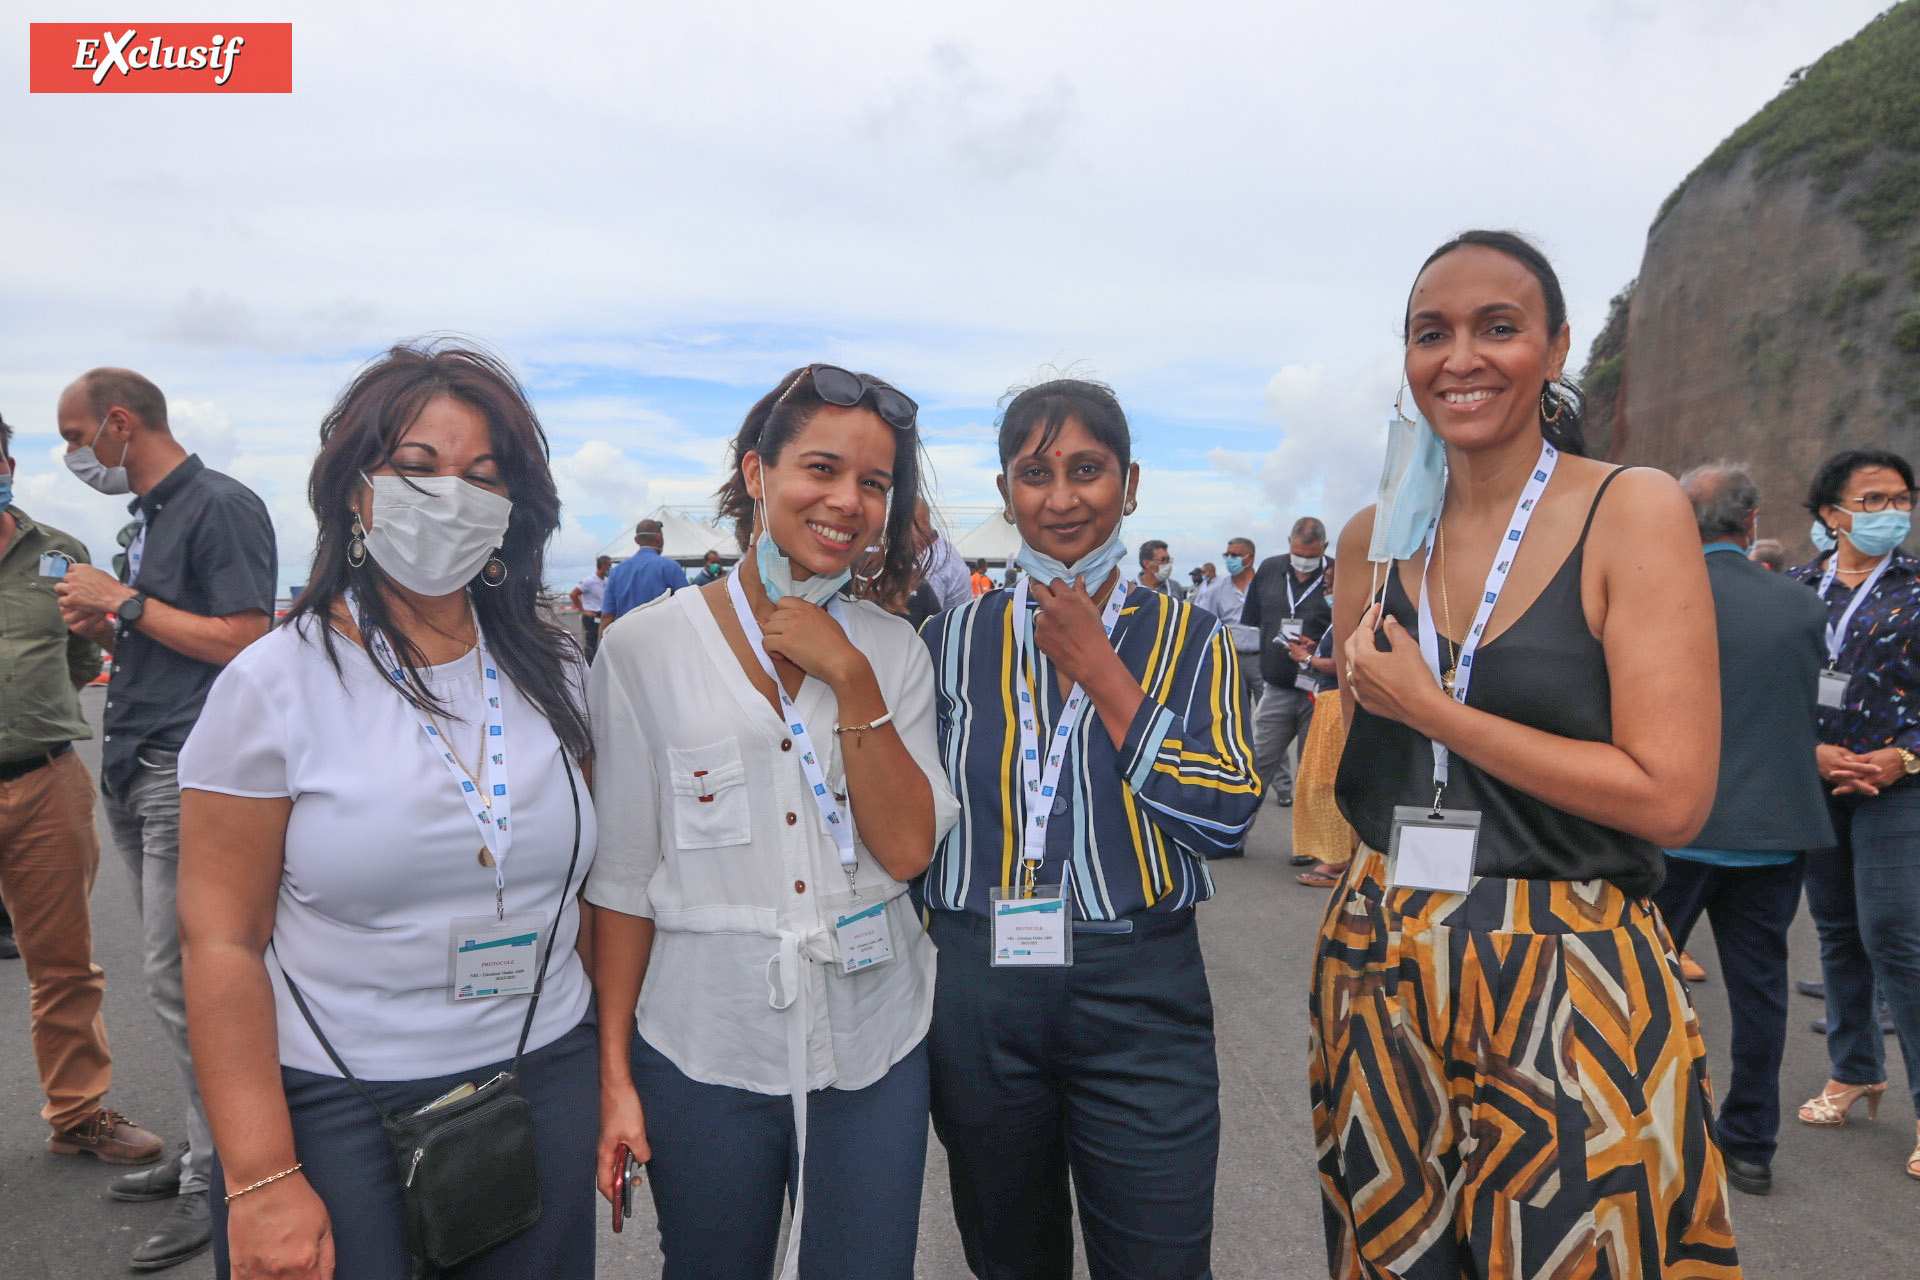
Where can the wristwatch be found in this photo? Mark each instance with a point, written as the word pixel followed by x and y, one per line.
pixel 1909 761
pixel 131 608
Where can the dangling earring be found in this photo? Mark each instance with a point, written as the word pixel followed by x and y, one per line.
pixel 1549 401
pixel 494 572
pixel 357 544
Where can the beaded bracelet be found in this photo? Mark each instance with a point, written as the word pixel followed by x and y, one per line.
pixel 263 1182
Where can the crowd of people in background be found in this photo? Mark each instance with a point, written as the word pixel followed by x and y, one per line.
pixel 805 846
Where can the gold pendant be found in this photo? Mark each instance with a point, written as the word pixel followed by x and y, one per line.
pixel 486 859
pixel 1446 682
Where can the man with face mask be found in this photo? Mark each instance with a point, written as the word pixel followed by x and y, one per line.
pixel 1287 605
pixel 198 587
pixel 1225 597
pixel 49 849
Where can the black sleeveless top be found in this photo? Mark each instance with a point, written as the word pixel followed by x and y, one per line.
pixel 1545 670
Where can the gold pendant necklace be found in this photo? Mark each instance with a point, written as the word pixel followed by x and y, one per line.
pixel 1446 608
pixel 485 857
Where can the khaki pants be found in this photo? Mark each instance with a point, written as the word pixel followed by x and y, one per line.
pixel 49 852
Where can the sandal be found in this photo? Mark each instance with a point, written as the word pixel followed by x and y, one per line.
pixel 1828 1108
pixel 1913 1161
pixel 1321 877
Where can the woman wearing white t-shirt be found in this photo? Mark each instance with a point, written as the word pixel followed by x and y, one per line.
pixel 750 891
pixel 382 815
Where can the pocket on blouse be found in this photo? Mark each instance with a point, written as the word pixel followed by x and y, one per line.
pixel 710 804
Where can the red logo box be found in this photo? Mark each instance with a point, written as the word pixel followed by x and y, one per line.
pixel 161 57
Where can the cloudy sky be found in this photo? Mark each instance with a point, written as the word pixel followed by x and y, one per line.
pixel 655 210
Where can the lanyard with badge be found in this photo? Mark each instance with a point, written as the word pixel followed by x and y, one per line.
pixel 487 956
pixel 1833 681
pixel 1032 924
pixel 861 929
pixel 1431 847
pixel 1293 626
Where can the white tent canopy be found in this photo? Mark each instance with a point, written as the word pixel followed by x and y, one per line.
pixel 685 539
pixel 992 540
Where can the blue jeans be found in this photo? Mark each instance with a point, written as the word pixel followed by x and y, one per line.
pixel 1864 894
pixel 1751 909
pixel 723 1167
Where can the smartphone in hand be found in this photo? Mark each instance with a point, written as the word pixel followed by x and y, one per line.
pixel 626 1175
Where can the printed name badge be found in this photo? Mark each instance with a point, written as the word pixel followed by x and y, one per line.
pixel 1032 931
pixel 1833 688
pixel 489 956
pixel 866 940
pixel 1432 848
pixel 1305 683
pixel 54 565
pixel 1290 629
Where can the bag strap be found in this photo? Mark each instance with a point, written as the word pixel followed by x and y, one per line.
pixel 539 982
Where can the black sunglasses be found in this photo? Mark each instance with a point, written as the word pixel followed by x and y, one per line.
pixel 847 389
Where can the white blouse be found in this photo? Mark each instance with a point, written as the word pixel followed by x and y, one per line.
pixel 382 854
pixel 710 829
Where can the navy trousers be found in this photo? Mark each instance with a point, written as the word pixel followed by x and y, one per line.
pixel 724 1160
pixel 1103 1072
pixel 1864 895
pixel 345 1156
pixel 1751 909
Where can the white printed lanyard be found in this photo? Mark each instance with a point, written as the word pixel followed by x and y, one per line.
pixel 1837 631
pixel 490 810
pixel 1496 582
pixel 1043 780
pixel 810 765
pixel 1293 601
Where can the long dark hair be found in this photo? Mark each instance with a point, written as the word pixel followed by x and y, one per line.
pixel 358 434
pixel 771 426
pixel 1565 429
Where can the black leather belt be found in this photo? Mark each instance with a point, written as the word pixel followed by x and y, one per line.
pixel 21 768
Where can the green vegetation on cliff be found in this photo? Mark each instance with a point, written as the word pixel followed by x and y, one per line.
pixel 1850 120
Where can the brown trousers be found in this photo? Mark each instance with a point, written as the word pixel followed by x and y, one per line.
pixel 49 851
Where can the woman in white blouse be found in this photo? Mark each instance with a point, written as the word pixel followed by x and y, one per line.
pixel 333 851
pixel 750 890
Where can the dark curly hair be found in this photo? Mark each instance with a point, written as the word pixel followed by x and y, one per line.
pixel 1830 481
pixel 772 424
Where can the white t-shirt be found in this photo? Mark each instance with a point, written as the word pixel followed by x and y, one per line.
pixel 593 590
pixel 382 854
pixel 735 881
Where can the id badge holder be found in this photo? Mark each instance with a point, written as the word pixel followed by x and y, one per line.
pixel 488 956
pixel 1291 630
pixel 861 932
pixel 1034 932
pixel 1305 683
pixel 1432 848
pixel 1833 688
pixel 54 565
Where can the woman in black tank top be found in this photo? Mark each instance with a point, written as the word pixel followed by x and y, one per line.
pixel 1506 1067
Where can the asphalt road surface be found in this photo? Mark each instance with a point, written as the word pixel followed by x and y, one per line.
pixel 1841 1206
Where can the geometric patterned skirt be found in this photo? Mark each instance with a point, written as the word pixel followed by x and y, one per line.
pixel 1510 1084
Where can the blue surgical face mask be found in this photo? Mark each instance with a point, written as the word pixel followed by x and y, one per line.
pixel 1875 533
pixel 1234 565
pixel 6 489
pixel 776 572
pixel 1823 537
pixel 1093 566
pixel 1413 483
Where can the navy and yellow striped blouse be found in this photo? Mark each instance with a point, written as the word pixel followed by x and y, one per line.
pixel 1135 823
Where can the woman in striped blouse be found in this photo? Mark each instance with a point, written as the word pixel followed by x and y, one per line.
pixel 1091 730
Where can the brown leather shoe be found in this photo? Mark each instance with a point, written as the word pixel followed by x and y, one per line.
pixel 110 1137
pixel 1690 970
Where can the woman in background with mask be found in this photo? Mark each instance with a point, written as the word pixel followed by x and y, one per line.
pixel 382 787
pixel 771 784
pixel 1865 892
pixel 1507 1075
pixel 1091 729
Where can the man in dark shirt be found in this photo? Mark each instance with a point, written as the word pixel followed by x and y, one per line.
pixel 1287 603
pixel 1744 868
pixel 49 849
pixel 198 588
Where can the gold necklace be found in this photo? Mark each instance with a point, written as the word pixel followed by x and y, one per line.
pixel 479 760
pixel 1446 607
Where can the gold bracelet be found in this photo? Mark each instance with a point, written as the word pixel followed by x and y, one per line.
pixel 860 730
pixel 263 1182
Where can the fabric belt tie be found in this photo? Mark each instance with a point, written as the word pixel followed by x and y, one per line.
pixel 787 991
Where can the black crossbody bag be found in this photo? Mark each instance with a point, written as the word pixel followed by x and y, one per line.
pixel 467 1168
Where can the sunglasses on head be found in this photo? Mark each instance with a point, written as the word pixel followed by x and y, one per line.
pixel 847 389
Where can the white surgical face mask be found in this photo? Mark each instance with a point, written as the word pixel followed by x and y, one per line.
pixel 431 534
pixel 1093 566
pixel 86 464
pixel 1304 564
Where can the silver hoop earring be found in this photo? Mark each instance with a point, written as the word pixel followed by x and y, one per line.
pixel 494 572
pixel 357 544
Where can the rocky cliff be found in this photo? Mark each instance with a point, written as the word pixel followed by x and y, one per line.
pixel 1776 316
